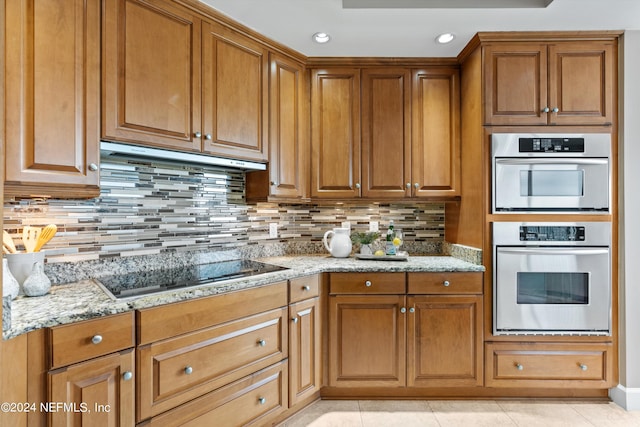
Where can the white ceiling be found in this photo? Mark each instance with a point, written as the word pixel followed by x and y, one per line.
pixel 396 32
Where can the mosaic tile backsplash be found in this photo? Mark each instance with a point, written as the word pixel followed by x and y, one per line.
pixel 154 207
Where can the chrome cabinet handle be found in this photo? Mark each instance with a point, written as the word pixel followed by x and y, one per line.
pixel 545 110
pixel 403 310
pixel 555 109
pixel 262 343
pixel 446 283
pixel 408 185
pixel 519 367
pixel 96 339
pixel 208 136
pixel 367 283
pixel 188 370
pixel 583 367
pixel 416 185
pixel 294 319
pixel 412 310
pixel 197 135
pixel 93 167
pixel 274 183
pixel 262 400
pixel 127 375
pixel 357 185
pixel 306 288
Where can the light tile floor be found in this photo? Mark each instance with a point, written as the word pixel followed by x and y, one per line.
pixel 465 413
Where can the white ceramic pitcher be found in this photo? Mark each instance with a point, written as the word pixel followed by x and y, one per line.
pixel 340 245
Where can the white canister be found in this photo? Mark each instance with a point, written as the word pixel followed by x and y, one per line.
pixel 21 264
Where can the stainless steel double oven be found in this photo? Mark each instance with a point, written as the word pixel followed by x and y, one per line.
pixel 551 277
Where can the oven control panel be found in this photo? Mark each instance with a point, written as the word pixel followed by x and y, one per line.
pixel 552 233
pixel 553 145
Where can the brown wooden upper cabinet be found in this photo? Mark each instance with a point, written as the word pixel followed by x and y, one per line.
pixel 173 79
pixel 52 98
pixel 561 83
pixel 385 133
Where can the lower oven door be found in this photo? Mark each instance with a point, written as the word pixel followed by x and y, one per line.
pixel 552 290
pixel 558 184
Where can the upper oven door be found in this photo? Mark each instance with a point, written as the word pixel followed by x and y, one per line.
pixel 552 290
pixel 551 184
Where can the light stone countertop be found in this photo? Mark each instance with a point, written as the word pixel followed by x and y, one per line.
pixel 85 300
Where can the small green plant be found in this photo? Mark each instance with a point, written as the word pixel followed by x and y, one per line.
pixel 364 238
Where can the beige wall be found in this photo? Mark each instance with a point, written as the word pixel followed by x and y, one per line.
pixel 628 393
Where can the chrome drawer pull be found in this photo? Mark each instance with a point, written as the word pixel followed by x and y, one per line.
pixel 519 367
pixel 306 288
pixel 294 319
pixel 188 370
pixel 446 283
pixel 96 339
pixel 367 283
pixel 583 367
pixel 262 400
pixel 127 375
pixel 262 343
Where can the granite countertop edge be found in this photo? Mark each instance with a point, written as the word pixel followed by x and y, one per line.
pixel 85 299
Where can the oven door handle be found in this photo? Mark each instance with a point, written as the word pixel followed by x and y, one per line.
pixel 554 161
pixel 555 251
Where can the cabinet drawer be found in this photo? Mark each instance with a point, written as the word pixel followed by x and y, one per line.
pixel 304 288
pixel 367 283
pixel 444 283
pixel 179 369
pixel 572 365
pixel 92 338
pixel 253 400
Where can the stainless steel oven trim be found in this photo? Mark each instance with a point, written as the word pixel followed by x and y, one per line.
pixel 597 242
pixel 504 151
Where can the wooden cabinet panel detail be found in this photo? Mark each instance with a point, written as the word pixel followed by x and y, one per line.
pixel 367 341
pixel 304 350
pixel 100 386
pixel 52 98
pixel 386 132
pixel 151 71
pixel 444 346
pixel 335 138
pixel 234 94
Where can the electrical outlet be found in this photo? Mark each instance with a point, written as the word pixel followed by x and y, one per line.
pixel 373 226
pixel 347 225
pixel 273 230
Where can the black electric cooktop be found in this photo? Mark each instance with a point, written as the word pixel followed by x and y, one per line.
pixel 155 281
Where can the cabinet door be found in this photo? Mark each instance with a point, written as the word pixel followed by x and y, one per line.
pixel 445 341
pixel 97 392
pixel 367 341
pixel 581 82
pixel 304 350
pixel 234 94
pixel 288 138
pixel 435 153
pixel 386 132
pixel 151 74
pixel 52 97
pixel 335 137
pixel 515 84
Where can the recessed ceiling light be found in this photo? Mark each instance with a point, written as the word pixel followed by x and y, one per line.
pixel 321 37
pixel 445 38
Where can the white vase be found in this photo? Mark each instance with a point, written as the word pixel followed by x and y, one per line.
pixel 37 283
pixel 10 285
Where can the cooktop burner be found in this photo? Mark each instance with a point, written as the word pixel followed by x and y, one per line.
pixel 154 281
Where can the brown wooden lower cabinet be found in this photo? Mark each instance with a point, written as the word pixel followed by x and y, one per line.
pixel 98 392
pixel 444 341
pixel 305 353
pixel 252 400
pixel 552 365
